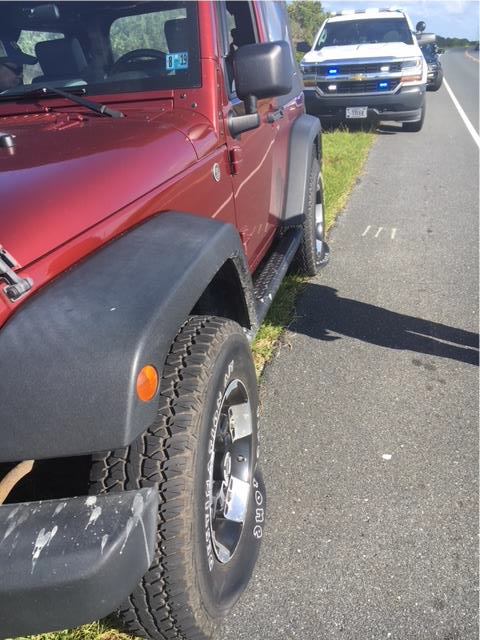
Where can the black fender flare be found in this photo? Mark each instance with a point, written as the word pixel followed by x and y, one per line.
pixel 305 134
pixel 70 356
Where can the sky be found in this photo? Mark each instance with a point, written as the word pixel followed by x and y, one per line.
pixel 448 18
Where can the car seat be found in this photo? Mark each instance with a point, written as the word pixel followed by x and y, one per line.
pixel 176 35
pixel 61 59
pixel 392 36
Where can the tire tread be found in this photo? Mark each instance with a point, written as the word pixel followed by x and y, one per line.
pixel 306 256
pixel 166 604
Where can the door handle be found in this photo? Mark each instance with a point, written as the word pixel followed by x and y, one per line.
pixel 273 116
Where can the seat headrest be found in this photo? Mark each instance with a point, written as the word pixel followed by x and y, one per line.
pixel 176 34
pixel 61 58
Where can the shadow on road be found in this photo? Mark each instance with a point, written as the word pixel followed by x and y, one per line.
pixel 383 327
pixel 389 129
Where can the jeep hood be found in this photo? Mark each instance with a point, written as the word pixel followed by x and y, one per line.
pixel 68 171
pixel 361 51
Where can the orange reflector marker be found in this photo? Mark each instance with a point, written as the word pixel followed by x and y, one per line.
pixel 147 383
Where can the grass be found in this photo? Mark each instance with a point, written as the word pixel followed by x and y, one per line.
pixel 94 631
pixel 344 156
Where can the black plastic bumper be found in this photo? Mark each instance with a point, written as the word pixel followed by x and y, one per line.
pixel 66 562
pixel 403 106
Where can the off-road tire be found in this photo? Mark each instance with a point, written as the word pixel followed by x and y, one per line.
pixel 180 597
pixel 414 127
pixel 309 259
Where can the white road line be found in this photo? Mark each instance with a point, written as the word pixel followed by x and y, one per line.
pixel 466 121
pixel 394 231
pixel 366 231
pixel 471 57
pixel 378 232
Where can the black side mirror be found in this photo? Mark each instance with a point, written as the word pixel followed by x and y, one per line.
pixel 303 47
pixel 260 71
pixel 421 26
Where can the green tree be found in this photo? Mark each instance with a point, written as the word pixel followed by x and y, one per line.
pixel 454 42
pixel 306 18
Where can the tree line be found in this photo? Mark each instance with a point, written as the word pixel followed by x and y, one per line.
pixel 455 42
pixel 306 18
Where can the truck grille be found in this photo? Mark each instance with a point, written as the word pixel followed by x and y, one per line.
pixel 369 86
pixel 346 69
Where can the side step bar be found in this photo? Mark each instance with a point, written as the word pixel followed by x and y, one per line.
pixel 270 275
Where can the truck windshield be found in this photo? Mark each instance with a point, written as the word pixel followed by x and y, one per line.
pixel 104 47
pixel 376 30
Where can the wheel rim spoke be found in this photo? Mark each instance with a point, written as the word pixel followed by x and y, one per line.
pixel 240 417
pixel 231 470
pixel 236 504
pixel 319 231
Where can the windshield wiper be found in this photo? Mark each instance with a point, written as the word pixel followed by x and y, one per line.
pixel 102 109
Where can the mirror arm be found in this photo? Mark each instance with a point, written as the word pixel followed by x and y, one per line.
pixel 250 104
pixel 239 124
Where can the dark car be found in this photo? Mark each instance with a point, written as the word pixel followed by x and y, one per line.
pixel 158 175
pixel 431 53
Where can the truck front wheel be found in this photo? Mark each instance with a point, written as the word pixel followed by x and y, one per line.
pixel 202 454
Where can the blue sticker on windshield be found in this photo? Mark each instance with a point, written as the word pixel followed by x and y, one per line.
pixel 177 61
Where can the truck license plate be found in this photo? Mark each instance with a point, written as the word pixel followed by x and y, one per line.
pixel 356 112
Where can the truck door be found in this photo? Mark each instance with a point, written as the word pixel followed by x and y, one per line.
pixel 251 154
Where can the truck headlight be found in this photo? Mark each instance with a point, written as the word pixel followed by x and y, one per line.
pixel 309 74
pixel 307 67
pixel 412 64
pixel 412 70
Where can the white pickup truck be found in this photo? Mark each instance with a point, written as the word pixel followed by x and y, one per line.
pixel 366 65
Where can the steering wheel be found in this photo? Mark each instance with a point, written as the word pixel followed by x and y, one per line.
pixel 137 55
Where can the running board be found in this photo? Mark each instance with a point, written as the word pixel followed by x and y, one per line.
pixel 269 276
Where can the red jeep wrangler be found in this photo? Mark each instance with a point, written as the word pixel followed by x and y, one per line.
pixel 158 177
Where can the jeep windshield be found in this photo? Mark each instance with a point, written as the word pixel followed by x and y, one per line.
pixel 348 32
pixel 101 47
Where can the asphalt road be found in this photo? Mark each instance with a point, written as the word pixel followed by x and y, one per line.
pixel 369 412
pixel 461 70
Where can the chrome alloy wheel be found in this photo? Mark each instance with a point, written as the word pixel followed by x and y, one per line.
pixel 319 227
pixel 231 468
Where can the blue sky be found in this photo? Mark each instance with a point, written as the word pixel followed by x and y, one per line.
pixel 449 18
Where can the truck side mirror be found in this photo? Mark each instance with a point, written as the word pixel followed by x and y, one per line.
pixel 303 47
pixel 421 26
pixel 425 38
pixel 260 71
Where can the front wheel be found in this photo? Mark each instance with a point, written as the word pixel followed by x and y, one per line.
pixel 202 454
pixel 414 127
pixel 313 251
